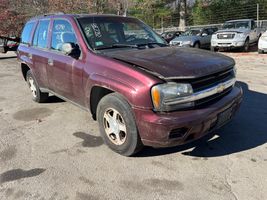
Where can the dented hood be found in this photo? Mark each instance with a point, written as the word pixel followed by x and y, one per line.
pixel 173 62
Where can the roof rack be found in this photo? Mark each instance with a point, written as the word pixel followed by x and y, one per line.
pixel 47 14
pixel 57 13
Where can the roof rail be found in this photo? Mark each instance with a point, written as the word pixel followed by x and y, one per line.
pixel 57 13
pixel 47 14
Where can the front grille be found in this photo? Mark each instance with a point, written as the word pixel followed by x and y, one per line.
pixel 209 81
pixel 226 36
pixel 212 80
pixel 201 103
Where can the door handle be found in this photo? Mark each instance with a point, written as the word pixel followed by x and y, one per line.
pixel 50 62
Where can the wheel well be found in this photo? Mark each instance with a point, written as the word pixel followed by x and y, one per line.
pixel 24 70
pixel 196 42
pixel 97 93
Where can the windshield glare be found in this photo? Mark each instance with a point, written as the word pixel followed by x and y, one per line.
pixel 192 32
pixel 236 25
pixel 109 31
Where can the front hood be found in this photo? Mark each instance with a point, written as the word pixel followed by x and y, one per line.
pixel 184 38
pixel 175 63
pixel 238 30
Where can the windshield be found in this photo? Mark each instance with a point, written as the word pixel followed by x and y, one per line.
pixel 191 32
pixel 236 25
pixel 104 32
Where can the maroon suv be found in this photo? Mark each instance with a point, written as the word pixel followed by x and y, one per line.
pixel 140 90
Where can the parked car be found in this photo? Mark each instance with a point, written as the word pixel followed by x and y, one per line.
pixel 170 35
pixel 12 45
pixel 262 45
pixel 197 38
pixel 140 90
pixel 8 44
pixel 236 34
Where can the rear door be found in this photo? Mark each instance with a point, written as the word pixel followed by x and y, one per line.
pixel 39 53
pixel 64 72
pixel 205 39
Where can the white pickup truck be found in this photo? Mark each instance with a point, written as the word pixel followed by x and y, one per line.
pixel 236 34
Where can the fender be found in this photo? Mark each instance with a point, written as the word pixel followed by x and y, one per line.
pixel 113 84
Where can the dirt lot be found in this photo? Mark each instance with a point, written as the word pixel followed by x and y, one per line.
pixel 53 150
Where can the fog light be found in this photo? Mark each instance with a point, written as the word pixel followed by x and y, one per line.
pixel 178 133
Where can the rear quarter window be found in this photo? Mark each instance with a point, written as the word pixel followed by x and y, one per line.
pixel 26 33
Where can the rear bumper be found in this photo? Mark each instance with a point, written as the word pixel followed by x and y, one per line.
pixel 158 129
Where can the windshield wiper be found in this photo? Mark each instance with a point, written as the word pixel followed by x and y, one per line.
pixel 151 43
pixel 117 46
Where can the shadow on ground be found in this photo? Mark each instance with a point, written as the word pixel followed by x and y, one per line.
pixel 246 131
pixel 17 174
pixel 54 99
pixel 9 57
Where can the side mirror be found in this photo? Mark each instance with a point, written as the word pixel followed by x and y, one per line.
pixel 204 34
pixel 71 49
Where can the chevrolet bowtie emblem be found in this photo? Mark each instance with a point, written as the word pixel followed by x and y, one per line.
pixel 220 88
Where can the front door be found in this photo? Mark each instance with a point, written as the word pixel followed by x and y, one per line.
pixel 64 72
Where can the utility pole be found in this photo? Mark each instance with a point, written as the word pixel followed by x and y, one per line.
pixel 162 25
pixel 258 8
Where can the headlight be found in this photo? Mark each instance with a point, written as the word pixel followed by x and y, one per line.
pixel 240 35
pixel 173 43
pixel 214 36
pixel 166 96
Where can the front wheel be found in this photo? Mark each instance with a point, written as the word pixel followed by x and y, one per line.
pixel 213 49
pixel 260 51
pixel 196 45
pixel 117 125
pixel 37 95
pixel 246 46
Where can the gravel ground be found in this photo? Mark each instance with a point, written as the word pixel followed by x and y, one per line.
pixel 53 150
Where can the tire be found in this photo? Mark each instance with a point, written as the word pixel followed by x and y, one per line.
pixel 213 49
pixel 245 48
pixel 260 51
pixel 196 45
pixel 117 125
pixel 3 49
pixel 37 95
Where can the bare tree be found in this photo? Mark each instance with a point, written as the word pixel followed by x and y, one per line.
pixel 183 8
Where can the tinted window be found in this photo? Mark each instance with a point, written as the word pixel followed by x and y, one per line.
pixel 62 32
pixel 211 30
pixel 40 35
pixel 26 33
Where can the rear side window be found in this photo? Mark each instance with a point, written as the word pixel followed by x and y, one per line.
pixel 26 33
pixel 62 32
pixel 41 33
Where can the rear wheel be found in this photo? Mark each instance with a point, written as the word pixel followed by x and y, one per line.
pixel 117 125
pixel 37 95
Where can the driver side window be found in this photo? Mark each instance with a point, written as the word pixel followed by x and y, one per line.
pixel 62 32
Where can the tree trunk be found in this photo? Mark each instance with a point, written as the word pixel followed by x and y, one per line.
pixel 119 8
pixel 182 23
